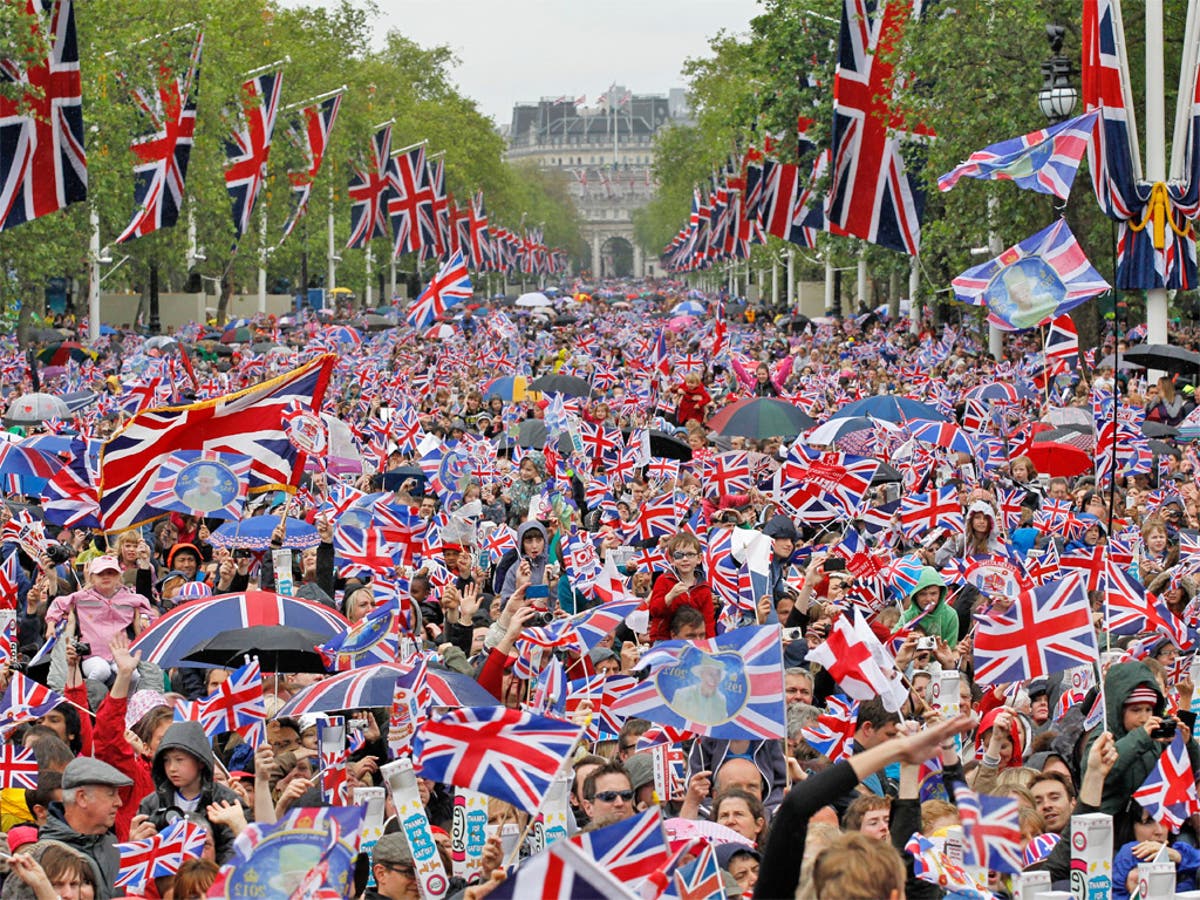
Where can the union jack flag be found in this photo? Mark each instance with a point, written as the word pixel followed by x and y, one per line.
pixel 247 149
pixel 24 701
pixel 1090 564
pixel 236 705
pixel 757 674
pixel 451 285
pixel 1169 791
pixel 499 541
pixel 18 767
pixel 248 423
pixel 505 753
pixel 480 244
pixel 43 166
pixel 939 508
pixel 370 183
pixel 372 639
pixel 824 486
pixel 1044 568
pixel 365 550
pixel 991 829
pixel 698 880
pixel 727 473
pixel 832 735
pixel 659 516
pixel 1056 517
pixel 159 856
pixel 1062 339
pixel 312 138
pixel 167 493
pixel 163 155
pixel 1047 630
pixel 1011 504
pixel 630 850
pixel 1044 161
pixel 410 203
pixel 871 194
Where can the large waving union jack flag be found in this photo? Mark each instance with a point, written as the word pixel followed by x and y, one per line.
pixel 168 494
pixel 1169 791
pixel 505 753
pixel 1049 629
pixel 43 166
pixel 451 285
pixel 249 423
pixel 939 508
pixel 236 705
pixel 410 201
pixel 247 148
pixel 871 194
pixel 629 850
pixel 370 184
pixel 312 137
pixel 818 484
pixel 163 155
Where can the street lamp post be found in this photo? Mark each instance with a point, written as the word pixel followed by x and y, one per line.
pixel 1058 95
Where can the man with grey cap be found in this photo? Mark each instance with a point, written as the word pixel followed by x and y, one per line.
pixel 395 873
pixel 85 819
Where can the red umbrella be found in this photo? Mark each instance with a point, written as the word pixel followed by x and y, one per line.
pixel 1055 459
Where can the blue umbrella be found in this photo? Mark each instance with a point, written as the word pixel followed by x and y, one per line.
pixel 255 534
pixel 890 408
pixel 689 308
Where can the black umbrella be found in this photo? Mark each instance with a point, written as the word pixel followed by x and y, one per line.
pixel 1162 448
pixel 570 385
pixel 885 474
pixel 665 445
pixel 532 434
pixel 1168 357
pixel 278 648
pixel 793 323
pixel 1109 362
pixel 1159 429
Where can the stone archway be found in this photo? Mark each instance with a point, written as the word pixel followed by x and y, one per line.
pixel 616 257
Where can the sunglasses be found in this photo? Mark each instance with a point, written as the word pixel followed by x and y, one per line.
pixel 611 796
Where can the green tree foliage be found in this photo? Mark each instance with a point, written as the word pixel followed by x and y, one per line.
pixel 123 44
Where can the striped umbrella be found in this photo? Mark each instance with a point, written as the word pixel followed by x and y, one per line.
pixel 26 462
pixel 180 631
pixel 375 685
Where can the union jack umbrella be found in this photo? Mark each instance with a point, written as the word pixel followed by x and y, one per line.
pixel 247 148
pixel 374 685
pixel 172 636
pixel 26 462
pixel 43 166
pixel 505 753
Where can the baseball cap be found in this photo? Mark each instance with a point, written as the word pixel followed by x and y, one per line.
pixel 104 564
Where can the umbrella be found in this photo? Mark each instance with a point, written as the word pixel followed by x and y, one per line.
pixel 1110 362
pixel 442 332
pixel 533 299
pixel 63 352
pixel 1168 357
pixel 996 391
pixel 255 533
pixel 829 432
pixel 180 631
pixel 570 385
pixel 715 832
pixel 689 308
pixel 1068 415
pixel 279 648
pixel 1162 448
pixel 30 409
pixel 1080 436
pixel 1159 429
pixel 240 335
pixel 885 474
pixel 890 408
pixel 761 417
pixel 344 334
pixel 508 387
pixel 666 446
pixel 679 323
pixel 375 686
pixel 1054 458
pixel 793 323
pixel 532 434
pixel 942 434
pixel 378 323
pixel 160 342
pixel 26 462
pixel 77 400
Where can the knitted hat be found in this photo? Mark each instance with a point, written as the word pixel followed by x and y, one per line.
pixel 1142 694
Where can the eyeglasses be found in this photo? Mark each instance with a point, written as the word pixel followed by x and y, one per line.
pixel 408 871
pixel 684 554
pixel 611 796
pixel 628 748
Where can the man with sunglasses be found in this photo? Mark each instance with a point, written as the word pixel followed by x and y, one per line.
pixel 395 873
pixel 608 795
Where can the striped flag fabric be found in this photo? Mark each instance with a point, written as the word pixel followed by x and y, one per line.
pixel 1062 339
pixel 451 285
pixel 991 830
pixel 629 850
pixel 1044 161
pixel 1169 791
pixel 159 856
pixel 18 767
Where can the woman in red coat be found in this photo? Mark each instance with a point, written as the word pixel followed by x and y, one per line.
pixel 684 585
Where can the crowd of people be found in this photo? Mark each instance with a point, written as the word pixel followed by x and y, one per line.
pixel 538 497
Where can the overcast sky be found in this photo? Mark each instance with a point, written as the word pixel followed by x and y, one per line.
pixel 513 50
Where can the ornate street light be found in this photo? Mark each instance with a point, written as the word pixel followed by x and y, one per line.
pixel 1058 95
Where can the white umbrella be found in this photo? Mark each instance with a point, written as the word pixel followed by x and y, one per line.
pixel 534 298
pixel 33 408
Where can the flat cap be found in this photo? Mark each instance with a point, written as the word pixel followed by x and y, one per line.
pixel 83 770
pixel 392 850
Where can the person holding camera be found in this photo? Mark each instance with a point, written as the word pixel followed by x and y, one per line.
pixel 102 610
pixel 1135 707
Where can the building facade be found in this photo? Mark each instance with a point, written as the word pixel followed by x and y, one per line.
pixel 607 151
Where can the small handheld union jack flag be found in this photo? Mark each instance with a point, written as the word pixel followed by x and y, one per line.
pixel 160 855
pixel 18 767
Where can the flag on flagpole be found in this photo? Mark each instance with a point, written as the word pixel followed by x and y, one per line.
pixel 1044 161
pixel 451 285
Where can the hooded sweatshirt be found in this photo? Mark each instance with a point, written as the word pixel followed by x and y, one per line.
pixel 190 737
pixel 1137 753
pixel 941 621
pixel 537 563
pixel 985 776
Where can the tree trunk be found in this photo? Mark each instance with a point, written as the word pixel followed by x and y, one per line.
pixel 223 300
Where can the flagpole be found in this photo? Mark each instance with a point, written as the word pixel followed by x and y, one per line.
pixel 1045 371
pixel 404 150
pixel 153 37
pixel 317 99
pixel 261 70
